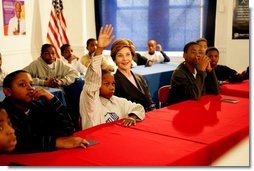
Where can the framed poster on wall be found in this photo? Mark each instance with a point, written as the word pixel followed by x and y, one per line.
pixel 14 17
pixel 241 19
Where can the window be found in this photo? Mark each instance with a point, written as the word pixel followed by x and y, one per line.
pixel 172 23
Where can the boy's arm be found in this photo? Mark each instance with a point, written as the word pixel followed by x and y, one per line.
pixel 64 126
pixel 89 96
pixel 191 88
pixel 31 68
pixel 90 93
pixel 166 57
pixel 130 108
pixel 27 142
pixel 93 75
pixel 212 84
pixel 64 123
pixel 68 73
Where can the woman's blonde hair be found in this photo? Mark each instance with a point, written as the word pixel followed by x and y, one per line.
pixel 119 44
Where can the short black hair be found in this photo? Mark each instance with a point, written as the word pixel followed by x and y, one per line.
pixel 10 77
pixel 211 49
pixel 46 46
pixel 186 47
pixel 63 47
pixel 2 110
pixel 89 41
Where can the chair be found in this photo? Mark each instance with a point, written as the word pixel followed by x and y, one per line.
pixel 163 94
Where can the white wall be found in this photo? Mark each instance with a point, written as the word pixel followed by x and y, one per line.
pixel 80 18
pixel 233 52
pixel 19 51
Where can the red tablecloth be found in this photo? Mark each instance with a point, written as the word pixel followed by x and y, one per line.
pixel 192 133
pixel 120 146
pixel 236 89
pixel 208 121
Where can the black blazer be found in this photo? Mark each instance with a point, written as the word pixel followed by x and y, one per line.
pixel 124 88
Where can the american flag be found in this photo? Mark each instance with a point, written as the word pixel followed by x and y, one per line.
pixel 57 26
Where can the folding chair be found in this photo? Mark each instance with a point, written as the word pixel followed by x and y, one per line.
pixel 163 94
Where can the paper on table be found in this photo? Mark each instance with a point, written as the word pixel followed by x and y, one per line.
pixel 229 100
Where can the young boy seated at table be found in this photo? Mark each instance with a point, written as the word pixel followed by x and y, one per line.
pixel 194 77
pixel 97 103
pixel 91 46
pixel 224 73
pixel 70 58
pixel 47 70
pixel 7 133
pixel 40 120
pixel 155 53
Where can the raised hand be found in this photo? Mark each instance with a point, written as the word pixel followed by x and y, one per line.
pixel 104 39
pixel 158 47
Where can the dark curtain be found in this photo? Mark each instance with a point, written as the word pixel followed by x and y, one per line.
pixel 104 13
pixel 209 21
pixel 97 9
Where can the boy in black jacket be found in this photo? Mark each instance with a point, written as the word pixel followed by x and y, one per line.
pixel 40 120
pixel 224 73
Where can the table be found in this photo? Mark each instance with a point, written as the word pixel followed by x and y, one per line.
pixel 56 91
pixel 156 76
pixel 120 146
pixel 209 121
pixel 190 133
pixel 236 89
pixel 236 156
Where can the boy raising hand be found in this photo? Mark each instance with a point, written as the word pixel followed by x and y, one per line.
pixel 97 101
